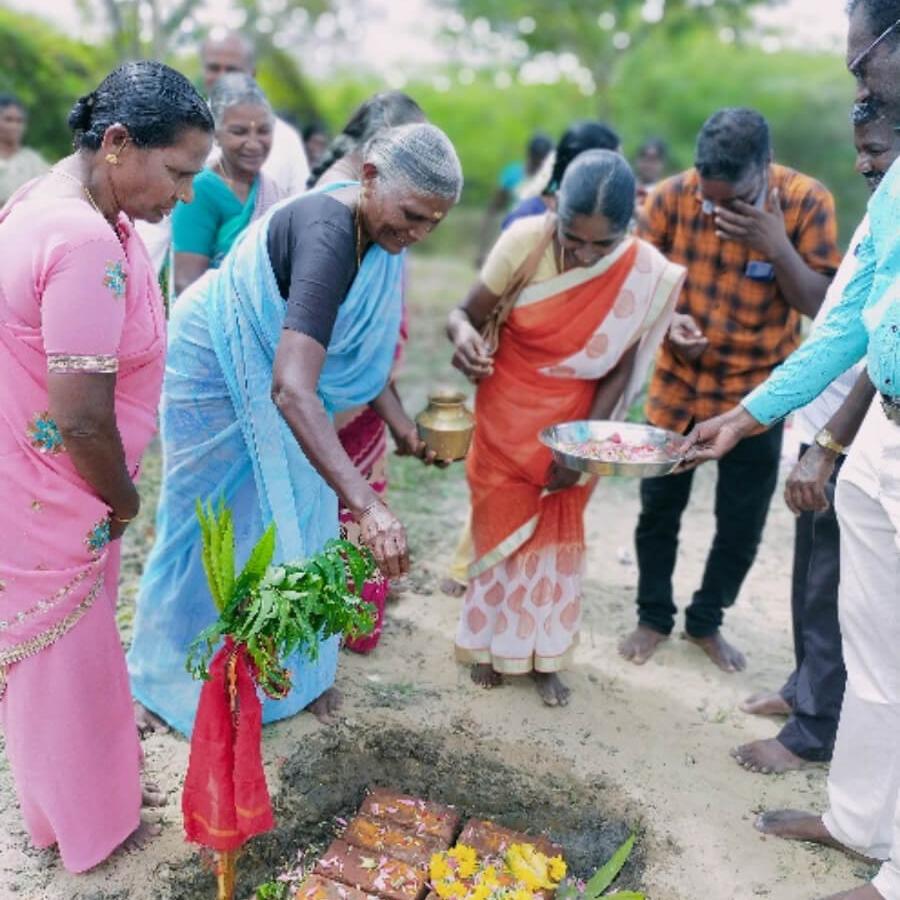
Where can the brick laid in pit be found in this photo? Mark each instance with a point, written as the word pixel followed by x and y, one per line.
pixel 371 872
pixel 384 836
pixel 489 839
pixel 315 887
pixel 422 817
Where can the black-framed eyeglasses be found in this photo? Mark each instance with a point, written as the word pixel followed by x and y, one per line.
pixel 855 66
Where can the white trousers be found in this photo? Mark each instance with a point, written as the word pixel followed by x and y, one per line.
pixel 864 781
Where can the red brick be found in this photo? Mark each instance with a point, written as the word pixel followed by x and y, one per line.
pixel 372 873
pixel 383 836
pixel 489 839
pixel 419 816
pixel 317 888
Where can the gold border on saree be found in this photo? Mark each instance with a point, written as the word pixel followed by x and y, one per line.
pixel 66 362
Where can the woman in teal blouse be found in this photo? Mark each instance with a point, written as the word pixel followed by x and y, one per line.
pixel 232 191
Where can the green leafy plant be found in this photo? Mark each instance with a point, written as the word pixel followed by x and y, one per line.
pixel 272 890
pixel 275 610
pixel 593 888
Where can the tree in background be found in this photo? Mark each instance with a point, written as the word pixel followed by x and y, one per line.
pixel 47 71
pixel 597 35
pixel 172 30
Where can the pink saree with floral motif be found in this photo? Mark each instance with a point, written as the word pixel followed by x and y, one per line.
pixel 74 297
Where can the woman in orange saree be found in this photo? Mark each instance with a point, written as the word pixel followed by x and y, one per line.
pixel 577 345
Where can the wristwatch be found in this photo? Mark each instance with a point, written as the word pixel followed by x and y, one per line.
pixel 824 438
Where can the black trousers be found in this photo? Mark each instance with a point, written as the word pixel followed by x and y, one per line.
pixel 746 480
pixel 815 688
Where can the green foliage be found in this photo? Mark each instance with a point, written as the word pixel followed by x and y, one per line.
pixel 48 72
pixel 571 889
pixel 276 610
pixel 607 873
pixel 272 890
pixel 572 25
pixel 489 126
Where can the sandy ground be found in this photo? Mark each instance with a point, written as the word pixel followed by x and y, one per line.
pixel 658 736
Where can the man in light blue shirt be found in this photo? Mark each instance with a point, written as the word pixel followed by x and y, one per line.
pixel 863 815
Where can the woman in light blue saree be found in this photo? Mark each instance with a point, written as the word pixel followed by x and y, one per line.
pixel 300 322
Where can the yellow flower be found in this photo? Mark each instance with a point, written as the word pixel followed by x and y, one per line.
pixel 522 895
pixel 488 877
pixel 557 868
pixel 466 860
pixel 439 868
pixel 458 889
pixel 480 892
pixel 442 889
pixel 529 867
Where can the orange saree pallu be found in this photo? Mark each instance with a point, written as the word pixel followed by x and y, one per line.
pixel 522 609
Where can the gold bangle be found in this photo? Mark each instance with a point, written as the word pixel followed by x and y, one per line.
pixel 119 519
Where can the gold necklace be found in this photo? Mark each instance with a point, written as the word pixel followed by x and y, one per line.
pixel 88 194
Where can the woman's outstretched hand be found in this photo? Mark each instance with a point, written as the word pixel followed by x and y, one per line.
pixel 470 354
pixel 383 533
pixel 715 437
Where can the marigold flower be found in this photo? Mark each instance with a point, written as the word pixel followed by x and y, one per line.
pixel 466 859
pixel 438 868
pixel 557 868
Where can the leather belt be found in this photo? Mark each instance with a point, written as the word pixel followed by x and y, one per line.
pixel 891 407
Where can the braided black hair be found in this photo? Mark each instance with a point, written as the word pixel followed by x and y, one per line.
pixel 731 143
pixel 154 102
pixel 385 110
pixel 578 137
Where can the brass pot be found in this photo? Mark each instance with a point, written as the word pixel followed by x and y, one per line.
pixel 446 425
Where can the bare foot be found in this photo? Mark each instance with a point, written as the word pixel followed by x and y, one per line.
pixel 484 676
pixel 769 757
pixel 726 657
pixel 326 705
pixel 148 722
pixel 796 825
pixel 766 703
pixel 152 795
pixel 641 644
pixel 553 692
pixel 141 836
pixel 865 892
pixel 453 588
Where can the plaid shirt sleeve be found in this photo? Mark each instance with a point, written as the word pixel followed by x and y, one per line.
pixel 815 232
pixel 656 219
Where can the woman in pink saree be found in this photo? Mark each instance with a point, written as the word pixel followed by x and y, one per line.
pixel 82 344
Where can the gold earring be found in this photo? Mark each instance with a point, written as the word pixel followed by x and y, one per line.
pixel 112 159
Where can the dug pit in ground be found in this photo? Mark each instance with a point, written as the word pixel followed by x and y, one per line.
pixel 326 779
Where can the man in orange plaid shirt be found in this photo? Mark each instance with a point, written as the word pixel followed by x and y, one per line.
pixel 759 241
